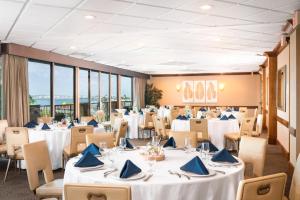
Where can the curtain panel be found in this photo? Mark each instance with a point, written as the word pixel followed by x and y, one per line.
pixel 139 92
pixel 15 90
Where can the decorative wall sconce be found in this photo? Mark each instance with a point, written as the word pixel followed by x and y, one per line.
pixel 178 87
pixel 221 86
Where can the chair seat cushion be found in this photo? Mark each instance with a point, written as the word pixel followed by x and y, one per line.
pixel 3 148
pixel 53 188
pixel 233 136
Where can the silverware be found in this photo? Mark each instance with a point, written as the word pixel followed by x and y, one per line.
pixel 174 173
pixel 109 172
pixel 148 177
pixel 187 176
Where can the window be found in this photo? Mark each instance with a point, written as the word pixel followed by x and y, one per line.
pixel 95 100
pixel 63 92
pixel 114 92
pixel 84 92
pixel 104 94
pixel 39 74
pixel 126 92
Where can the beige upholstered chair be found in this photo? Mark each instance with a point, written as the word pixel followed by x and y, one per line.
pixel 253 153
pixel 45 119
pixel 38 159
pixel 15 138
pixel 295 185
pixel 108 138
pixel 148 123
pixel 244 111
pixel 78 143
pixel 3 126
pixel 86 118
pixel 269 187
pixel 115 117
pixel 121 133
pixel 179 138
pixel 258 127
pixel 96 192
pixel 255 113
pixel 100 116
pixel 199 126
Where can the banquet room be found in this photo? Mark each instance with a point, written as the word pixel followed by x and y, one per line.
pixel 149 99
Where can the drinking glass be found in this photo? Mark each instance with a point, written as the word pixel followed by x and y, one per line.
pixel 187 144
pixel 102 148
pixel 155 140
pixel 151 162
pixel 205 149
pixel 122 143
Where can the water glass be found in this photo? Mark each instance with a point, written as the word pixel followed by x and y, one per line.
pixel 187 144
pixel 122 143
pixel 155 140
pixel 205 148
pixel 102 147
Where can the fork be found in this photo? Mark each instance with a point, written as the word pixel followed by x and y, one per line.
pixel 109 172
pixel 174 173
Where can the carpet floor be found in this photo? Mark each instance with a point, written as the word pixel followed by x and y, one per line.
pixel 16 186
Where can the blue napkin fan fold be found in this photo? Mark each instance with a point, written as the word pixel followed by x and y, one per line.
pixel 231 116
pixel 182 117
pixel 195 166
pixel 224 117
pixel 129 169
pixel 31 124
pixel 128 144
pixel 45 127
pixel 170 143
pixel 228 110
pixel 202 110
pixel 93 149
pixel 71 125
pixel 224 156
pixel 126 112
pixel 212 147
pixel 93 123
pixel 88 160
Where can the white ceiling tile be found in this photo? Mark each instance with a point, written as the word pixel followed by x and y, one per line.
pixel 146 11
pixel 110 6
pixel 57 3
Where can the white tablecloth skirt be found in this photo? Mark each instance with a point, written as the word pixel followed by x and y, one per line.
pixel 134 120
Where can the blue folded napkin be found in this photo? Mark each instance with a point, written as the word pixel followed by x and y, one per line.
pixel 228 110
pixel 224 117
pixel 202 110
pixel 182 117
pixel 71 125
pixel 45 127
pixel 129 169
pixel 141 112
pixel 219 116
pixel 170 143
pixel 231 116
pixel 93 123
pixel 212 147
pixel 92 148
pixel 224 156
pixel 88 160
pixel 195 166
pixel 30 124
pixel 78 120
pixel 128 144
pixel 126 112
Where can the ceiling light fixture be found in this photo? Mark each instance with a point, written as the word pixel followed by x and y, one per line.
pixel 206 7
pixel 89 17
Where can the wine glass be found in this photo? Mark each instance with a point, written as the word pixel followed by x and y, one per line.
pixel 187 144
pixel 155 140
pixel 122 143
pixel 205 148
pixel 102 147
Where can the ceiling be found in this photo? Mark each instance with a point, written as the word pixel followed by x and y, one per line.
pixel 151 36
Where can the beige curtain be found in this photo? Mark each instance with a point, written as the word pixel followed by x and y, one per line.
pixel 15 90
pixel 139 92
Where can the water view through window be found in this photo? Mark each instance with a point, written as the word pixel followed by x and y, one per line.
pixel 84 92
pixel 104 94
pixel 126 92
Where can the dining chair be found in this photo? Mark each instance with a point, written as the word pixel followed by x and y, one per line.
pixel 108 138
pixel 161 128
pixel 37 159
pixel 86 118
pixel 253 153
pixel 121 133
pixel 258 127
pixel 115 117
pixel 244 110
pixel 78 143
pixel 3 126
pixel 96 192
pixel 45 119
pixel 15 138
pixel 295 184
pixel 269 187
pixel 147 125
pixel 180 137
pixel 200 126
pixel 246 128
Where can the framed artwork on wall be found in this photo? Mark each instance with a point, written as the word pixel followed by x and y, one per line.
pixel 199 91
pixel 188 91
pixel 211 91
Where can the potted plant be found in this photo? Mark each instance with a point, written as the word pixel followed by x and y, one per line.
pixel 152 95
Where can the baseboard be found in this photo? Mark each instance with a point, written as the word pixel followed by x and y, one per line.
pixel 286 154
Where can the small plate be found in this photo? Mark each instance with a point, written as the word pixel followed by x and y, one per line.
pixel 138 176
pixel 85 169
pixel 220 164
pixel 211 173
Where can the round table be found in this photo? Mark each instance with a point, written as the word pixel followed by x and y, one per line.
pixel 164 186
pixel 216 129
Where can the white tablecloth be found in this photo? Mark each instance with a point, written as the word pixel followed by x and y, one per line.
pixel 216 129
pixel 163 186
pixel 134 120
pixel 57 139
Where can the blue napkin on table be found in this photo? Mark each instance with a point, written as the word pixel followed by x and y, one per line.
pixel 231 116
pixel 195 166
pixel 126 112
pixel 45 127
pixel 182 117
pixel 30 124
pixel 219 116
pixel 228 110
pixel 202 109
pixel 78 120
pixel 88 160
pixel 224 156
pixel 128 144
pixel 93 123
pixel 224 117
pixel 212 147
pixel 92 148
pixel 170 143
pixel 129 169
pixel 71 125
pixel 141 112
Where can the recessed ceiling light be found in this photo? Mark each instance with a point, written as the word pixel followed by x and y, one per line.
pixel 72 47
pixel 206 7
pixel 89 17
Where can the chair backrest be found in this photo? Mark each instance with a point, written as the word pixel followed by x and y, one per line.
pixel 148 121
pixel 114 116
pixel 253 151
pixel 244 110
pixel 37 159
pixel 295 185
pixel 78 135
pixel 108 138
pixel 255 113
pixel 247 126
pixel 86 118
pixel 96 192
pixel 199 125
pixel 269 187
pixel 100 116
pixel 45 119
pixel 15 138
pixel 161 127
pixel 121 133
pixel 3 126
pixel 259 123
pixel 179 138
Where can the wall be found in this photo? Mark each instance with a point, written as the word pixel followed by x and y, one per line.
pixel 240 90
pixel 283 131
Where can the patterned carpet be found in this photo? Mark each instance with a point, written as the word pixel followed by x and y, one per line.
pixel 16 186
